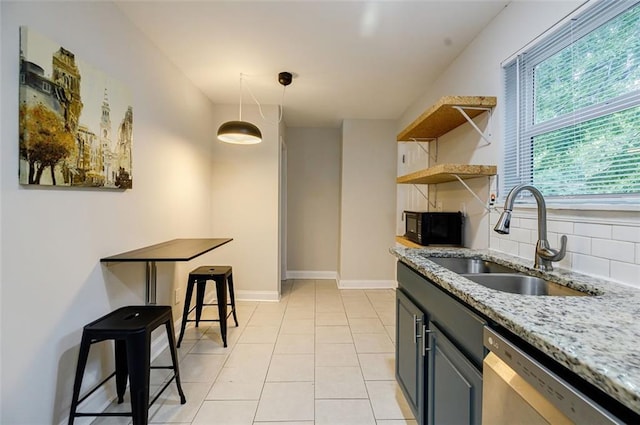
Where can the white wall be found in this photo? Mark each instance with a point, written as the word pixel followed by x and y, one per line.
pixel 368 203
pixel 313 201
pixel 601 242
pixel 52 283
pixel 477 72
pixel 245 203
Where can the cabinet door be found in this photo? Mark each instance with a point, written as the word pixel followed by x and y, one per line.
pixel 410 358
pixel 455 385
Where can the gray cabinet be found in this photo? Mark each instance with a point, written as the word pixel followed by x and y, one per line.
pixel 455 385
pixel 410 352
pixel 441 375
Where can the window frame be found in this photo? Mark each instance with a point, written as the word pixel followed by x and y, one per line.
pixel 519 106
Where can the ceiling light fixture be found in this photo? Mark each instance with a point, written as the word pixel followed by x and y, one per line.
pixel 243 132
pixel 239 132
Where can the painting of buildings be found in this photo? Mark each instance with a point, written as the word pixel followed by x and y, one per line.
pixel 66 133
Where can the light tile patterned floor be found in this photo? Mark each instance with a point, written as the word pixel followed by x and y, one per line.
pixel 319 356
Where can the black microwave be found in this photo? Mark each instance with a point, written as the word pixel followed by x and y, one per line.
pixel 434 228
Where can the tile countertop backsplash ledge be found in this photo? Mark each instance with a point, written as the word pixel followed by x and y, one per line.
pixel 597 337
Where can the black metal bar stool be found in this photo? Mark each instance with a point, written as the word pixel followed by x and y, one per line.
pixel 220 275
pixel 130 328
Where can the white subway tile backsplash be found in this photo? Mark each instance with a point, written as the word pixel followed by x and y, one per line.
pixel 590 265
pixel 552 238
pixel 528 223
pixel 493 218
pixel 578 244
pixel 593 230
pixel 626 233
pixel 605 246
pixel 509 246
pixel 526 250
pixel 613 250
pixel 625 272
pixel 562 227
pixel 521 235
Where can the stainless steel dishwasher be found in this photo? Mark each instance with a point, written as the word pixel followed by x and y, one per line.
pixel 517 389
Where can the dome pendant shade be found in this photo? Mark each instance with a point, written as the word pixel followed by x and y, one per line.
pixel 239 133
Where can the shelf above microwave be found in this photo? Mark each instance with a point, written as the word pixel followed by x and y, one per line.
pixel 443 173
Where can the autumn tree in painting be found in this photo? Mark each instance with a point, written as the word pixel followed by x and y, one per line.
pixel 44 140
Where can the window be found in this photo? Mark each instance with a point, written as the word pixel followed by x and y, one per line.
pixel 572 106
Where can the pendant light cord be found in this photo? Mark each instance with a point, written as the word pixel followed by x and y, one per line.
pixel 281 106
pixel 240 119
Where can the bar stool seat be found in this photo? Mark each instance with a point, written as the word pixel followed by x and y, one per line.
pixel 130 328
pixel 220 275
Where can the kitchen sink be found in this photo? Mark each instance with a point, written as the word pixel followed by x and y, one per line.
pixel 522 284
pixel 470 265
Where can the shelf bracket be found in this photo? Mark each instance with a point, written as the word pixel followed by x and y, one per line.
pixel 466 186
pixel 421 140
pixel 473 124
pixel 426 197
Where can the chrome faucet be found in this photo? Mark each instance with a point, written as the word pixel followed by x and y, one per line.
pixel 544 254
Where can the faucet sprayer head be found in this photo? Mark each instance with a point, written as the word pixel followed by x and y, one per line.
pixel 502 226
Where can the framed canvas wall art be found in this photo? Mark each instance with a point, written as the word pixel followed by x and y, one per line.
pixel 76 122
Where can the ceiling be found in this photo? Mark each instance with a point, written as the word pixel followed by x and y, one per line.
pixel 350 59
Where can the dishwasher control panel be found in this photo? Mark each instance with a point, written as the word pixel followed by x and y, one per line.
pixel 573 403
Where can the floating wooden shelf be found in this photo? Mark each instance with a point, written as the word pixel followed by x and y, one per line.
pixel 406 242
pixel 442 173
pixel 442 117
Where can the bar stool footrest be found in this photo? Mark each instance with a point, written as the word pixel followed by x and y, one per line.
pixel 130 328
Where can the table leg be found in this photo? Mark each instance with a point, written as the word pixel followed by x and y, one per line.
pixel 151 282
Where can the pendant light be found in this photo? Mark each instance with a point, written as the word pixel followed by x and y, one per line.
pixel 239 132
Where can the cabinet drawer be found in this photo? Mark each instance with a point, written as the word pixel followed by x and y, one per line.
pixel 459 323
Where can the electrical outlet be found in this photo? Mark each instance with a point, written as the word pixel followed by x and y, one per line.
pixel 176 301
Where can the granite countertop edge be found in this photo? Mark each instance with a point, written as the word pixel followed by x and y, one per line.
pixel 595 336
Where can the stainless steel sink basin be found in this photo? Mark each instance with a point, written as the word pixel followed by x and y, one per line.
pixel 522 284
pixel 470 265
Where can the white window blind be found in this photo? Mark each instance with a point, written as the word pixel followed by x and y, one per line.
pixel 572 102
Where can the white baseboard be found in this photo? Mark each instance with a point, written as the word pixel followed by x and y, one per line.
pixel 367 284
pixel 311 274
pixel 242 295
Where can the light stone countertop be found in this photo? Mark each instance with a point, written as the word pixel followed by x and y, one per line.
pixel 597 337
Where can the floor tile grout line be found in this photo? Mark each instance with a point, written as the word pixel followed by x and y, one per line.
pixel 264 383
pixel 362 372
pixel 275 344
pixel 314 298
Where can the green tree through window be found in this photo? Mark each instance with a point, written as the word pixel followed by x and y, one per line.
pixel 578 93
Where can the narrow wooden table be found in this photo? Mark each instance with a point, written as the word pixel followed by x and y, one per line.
pixel 174 250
